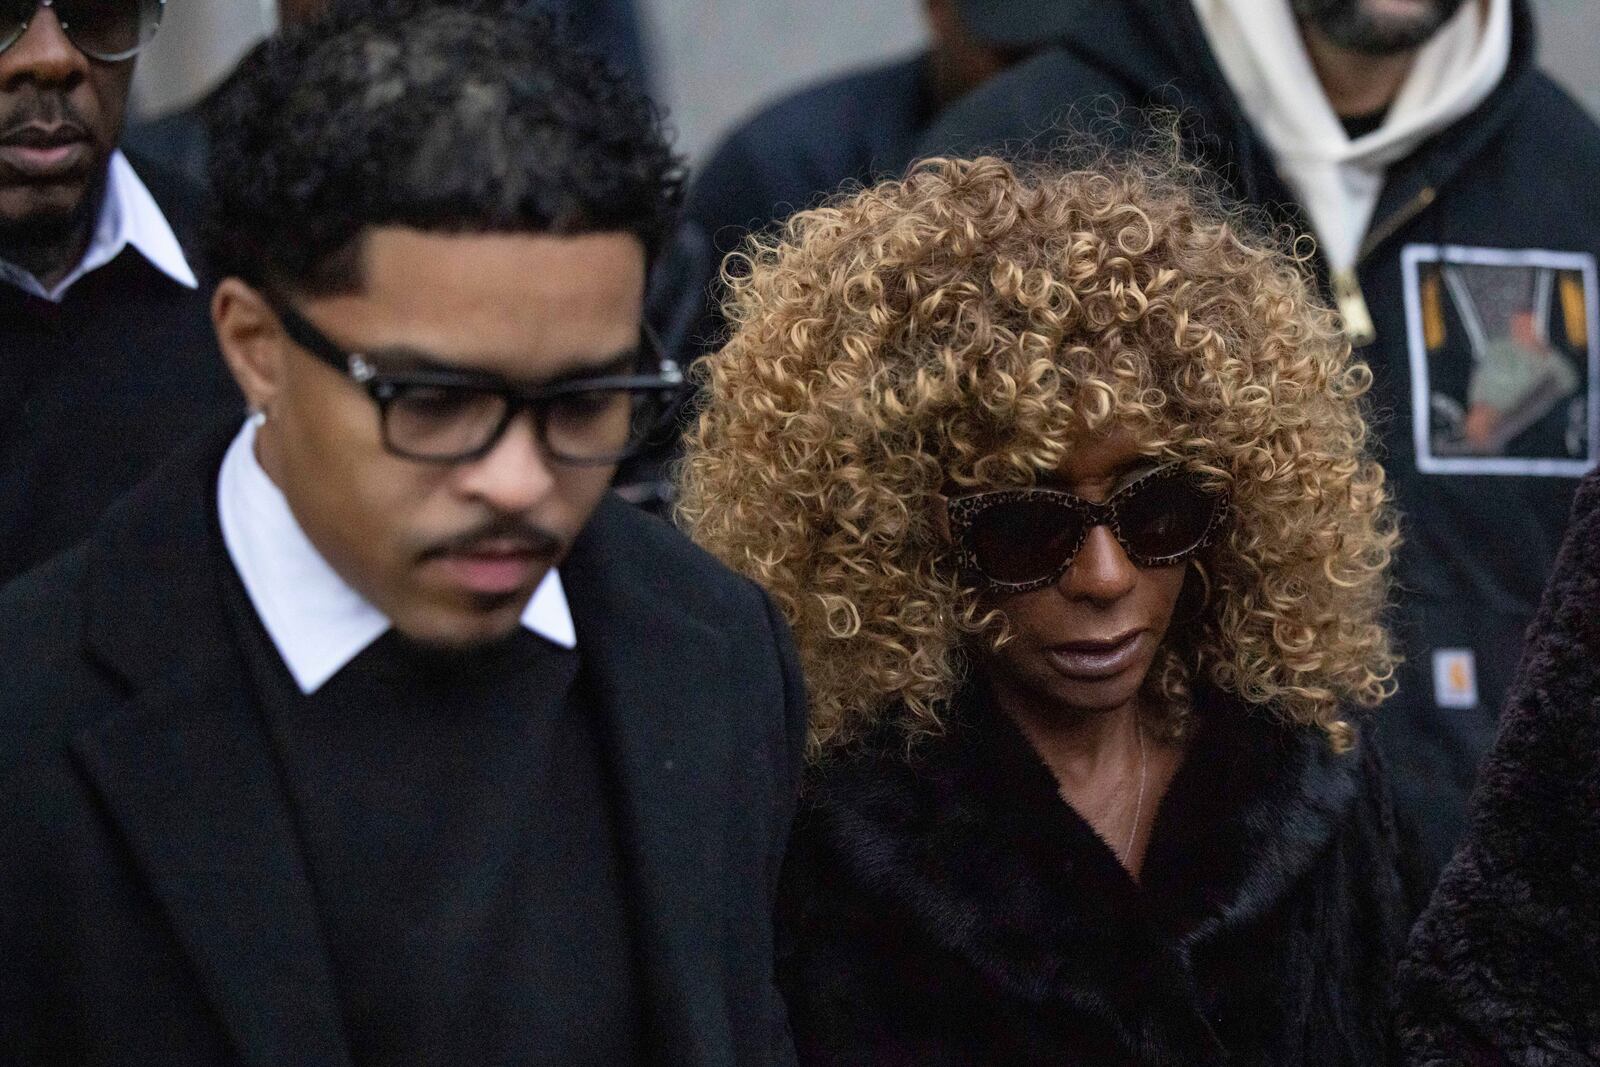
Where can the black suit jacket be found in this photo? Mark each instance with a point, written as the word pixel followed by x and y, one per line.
pixel 154 903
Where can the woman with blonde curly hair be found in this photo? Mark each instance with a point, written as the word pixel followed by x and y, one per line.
pixel 1062 480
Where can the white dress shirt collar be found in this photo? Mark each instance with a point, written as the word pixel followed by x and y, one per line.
pixel 317 622
pixel 128 216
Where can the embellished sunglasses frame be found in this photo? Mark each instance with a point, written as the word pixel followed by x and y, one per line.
pixel 963 512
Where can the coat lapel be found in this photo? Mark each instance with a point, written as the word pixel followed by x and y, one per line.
pixel 1254 807
pixel 186 773
pixel 971 838
pixel 655 674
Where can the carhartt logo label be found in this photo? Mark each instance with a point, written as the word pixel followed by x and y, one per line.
pixel 1455 678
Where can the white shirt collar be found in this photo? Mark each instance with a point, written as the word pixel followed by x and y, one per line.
pixel 315 619
pixel 128 216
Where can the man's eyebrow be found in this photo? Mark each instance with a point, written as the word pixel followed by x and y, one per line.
pixel 403 358
pixel 623 362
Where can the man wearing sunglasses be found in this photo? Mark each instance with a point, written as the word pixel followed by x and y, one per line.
pixel 377 730
pixel 108 357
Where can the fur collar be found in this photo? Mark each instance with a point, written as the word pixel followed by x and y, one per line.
pixel 970 837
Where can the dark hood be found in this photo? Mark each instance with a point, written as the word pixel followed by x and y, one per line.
pixel 1152 54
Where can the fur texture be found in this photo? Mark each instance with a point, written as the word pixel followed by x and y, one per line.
pixel 1504 967
pixel 949 908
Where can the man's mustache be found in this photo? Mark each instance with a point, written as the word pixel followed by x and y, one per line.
pixel 50 110
pixel 500 531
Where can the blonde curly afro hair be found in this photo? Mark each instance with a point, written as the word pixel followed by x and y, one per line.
pixel 965 326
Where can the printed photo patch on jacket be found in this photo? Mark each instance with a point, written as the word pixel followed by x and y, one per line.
pixel 1505 359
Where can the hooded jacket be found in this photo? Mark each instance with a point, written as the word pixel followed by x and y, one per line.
pixel 1505 965
pixel 1477 273
pixel 949 908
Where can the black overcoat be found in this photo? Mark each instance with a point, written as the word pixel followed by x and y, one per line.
pixel 950 908
pixel 154 902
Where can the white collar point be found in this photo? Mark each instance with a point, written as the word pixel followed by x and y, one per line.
pixel 316 620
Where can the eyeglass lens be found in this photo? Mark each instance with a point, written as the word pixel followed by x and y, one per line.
pixel 439 423
pixel 1025 540
pixel 103 29
pixel 589 426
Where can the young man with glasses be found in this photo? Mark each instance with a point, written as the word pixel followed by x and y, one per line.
pixel 104 335
pixel 377 731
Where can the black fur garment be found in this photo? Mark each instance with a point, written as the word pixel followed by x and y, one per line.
pixel 952 909
pixel 1504 967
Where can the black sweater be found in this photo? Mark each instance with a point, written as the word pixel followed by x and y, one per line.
pixel 455 809
pixel 95 391
pixel 952 909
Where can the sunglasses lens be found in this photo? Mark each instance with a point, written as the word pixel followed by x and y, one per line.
pixel 1024 540
pixel 110 29
pixel 1169 516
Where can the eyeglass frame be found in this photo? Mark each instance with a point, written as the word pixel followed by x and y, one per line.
pixel 382 388
pixel 112 57
pixel 962 511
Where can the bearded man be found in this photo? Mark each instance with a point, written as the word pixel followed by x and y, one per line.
pixel 1449 185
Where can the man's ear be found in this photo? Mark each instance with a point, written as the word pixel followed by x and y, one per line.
pixel 251 339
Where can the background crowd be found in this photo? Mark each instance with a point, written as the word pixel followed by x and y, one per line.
pixel 696 67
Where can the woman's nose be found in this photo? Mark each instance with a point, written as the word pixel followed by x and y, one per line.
pixel 1102 571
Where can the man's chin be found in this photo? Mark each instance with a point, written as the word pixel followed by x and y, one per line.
pixel 43 227
pixel 42 211
pixel 462 631
pixel 1378 27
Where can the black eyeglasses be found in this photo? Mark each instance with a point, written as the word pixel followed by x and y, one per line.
pixel 1017 540
pixel 108 30
pixel 441 416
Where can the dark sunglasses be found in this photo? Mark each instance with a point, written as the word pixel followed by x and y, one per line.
pixel 439 416
pixel 108 30
pixel 1017 540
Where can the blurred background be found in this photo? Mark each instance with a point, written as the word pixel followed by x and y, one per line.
pixel 710 62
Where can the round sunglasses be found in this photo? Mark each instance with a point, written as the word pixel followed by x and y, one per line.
pixel 107 30
pixel 1017 540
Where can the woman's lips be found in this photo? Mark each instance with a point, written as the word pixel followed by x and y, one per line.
pixel 1094 661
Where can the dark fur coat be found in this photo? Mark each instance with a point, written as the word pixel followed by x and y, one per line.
pixel 952 909
pixel 1504 967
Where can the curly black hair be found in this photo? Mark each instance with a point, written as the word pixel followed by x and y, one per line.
pixel 459 116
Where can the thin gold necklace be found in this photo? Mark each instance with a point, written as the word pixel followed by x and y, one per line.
pixel 1138 806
